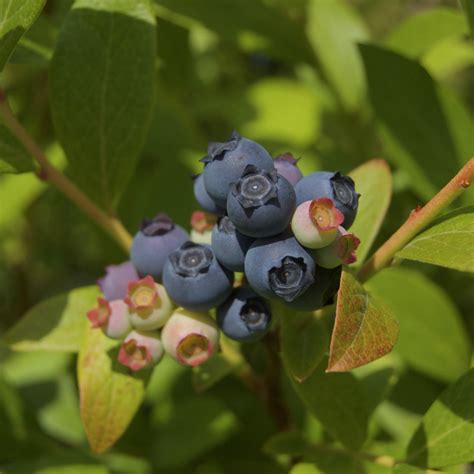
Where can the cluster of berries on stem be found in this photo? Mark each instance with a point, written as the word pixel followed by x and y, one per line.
pixel 265 233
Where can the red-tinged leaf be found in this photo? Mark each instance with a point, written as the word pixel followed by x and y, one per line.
pixel 364 330
pixel 109 394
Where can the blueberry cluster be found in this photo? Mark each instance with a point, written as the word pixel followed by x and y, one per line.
pixel 266 233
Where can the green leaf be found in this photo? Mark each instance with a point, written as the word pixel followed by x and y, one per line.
pixel 449 57
pixel 292 443
pixel 468 7
pixel 334 29
pixel 365 329
pixel 407 469
pixel 194 425
pixel 13 156
pixel 338 402
pixel 416 128
pixel 420 32
pixel 212 371
pixel 109 395
pixel 305 468
pixel 304 342
pixel 102 92
pixel 373 180
pixel 446 433
pixel 273 99
pixel 56 324
pixel 15 18
pixel 60 417
pixel 448 243
pixel 253 24
pixel 432 335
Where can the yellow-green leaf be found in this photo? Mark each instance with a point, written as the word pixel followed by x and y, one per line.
pixel 109 394
pixel 16 16
pixel 448 243
pixel 334 29
pixel 446 434
pixel 55 324
pixel 373 180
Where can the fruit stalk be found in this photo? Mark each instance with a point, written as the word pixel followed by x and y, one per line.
pixel 48 172
pixel 417 221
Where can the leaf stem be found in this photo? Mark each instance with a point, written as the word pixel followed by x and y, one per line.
pixel 417 221
pixel 48 172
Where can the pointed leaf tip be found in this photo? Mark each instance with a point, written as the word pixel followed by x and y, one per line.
pixel 364 331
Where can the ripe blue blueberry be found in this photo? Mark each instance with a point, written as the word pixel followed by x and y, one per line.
pixel 245 316
pixel 203 198
pixel 286 166
pixel 319 293
pixel 194 279
pixel 335 186
pixel 225 163
pixel 261 203
pixel 152 244
pixel 229 245
pixel 279 267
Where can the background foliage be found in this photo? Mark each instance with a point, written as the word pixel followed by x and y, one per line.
pixel 336 82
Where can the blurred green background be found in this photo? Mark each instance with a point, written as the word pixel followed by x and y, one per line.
pixel 289 74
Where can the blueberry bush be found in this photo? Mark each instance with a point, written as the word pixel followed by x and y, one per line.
pixel 236 236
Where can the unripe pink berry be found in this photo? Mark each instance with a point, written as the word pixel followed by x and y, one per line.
pixel 110 316
pixel 341 251
pixel 190 338
pixel 315 223
pixel 140 350
pixel 202 224
pixel 149 304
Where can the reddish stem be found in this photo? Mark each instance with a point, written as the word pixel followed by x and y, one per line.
pixel 417 221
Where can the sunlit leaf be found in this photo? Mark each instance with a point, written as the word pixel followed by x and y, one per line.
pixel 420 32
pixel 432 336
pixel 102 92
pixel 334 29
pixel 109 394
pixel 365 329
pixel 286 112
pixel 56 324
pixel 373 181
pixel 448 243
pixel 446 434
pixel 15 18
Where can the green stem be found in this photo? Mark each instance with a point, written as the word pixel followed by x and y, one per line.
pixel 417 221
pixel 110 224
